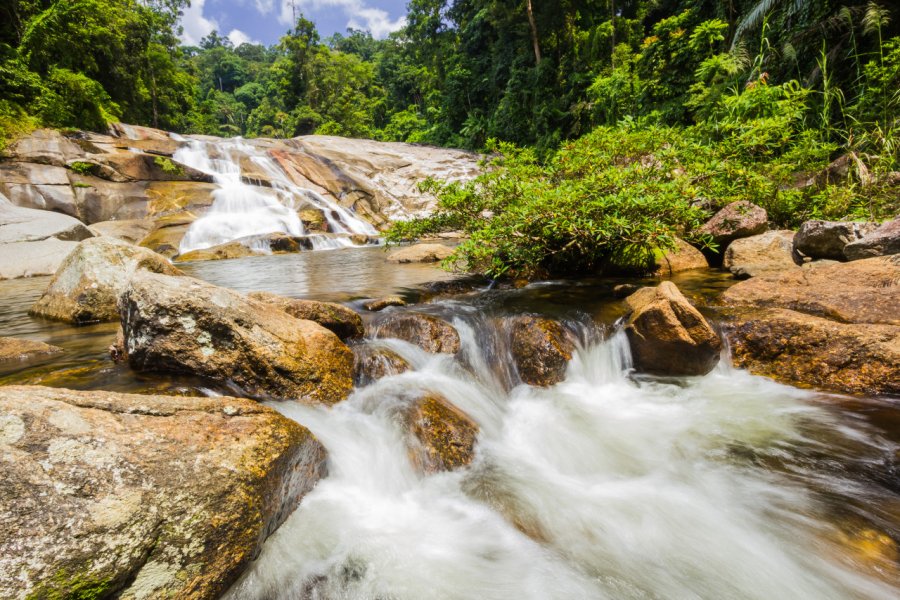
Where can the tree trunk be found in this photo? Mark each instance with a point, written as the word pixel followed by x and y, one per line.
pixel 534 32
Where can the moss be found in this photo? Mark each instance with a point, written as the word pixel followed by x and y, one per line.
pixel 83 168
pixel 79 184
pixel 63 586
pixel 168 166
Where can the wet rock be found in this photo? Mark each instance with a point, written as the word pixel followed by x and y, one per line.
pixel 444 434
pixel 451 287
pixel 764 253
pixel 184 325
pixel 683 257
pixel 420 253
pixel 668 336
pixel 826 239
pixel 371 364
pixel 802 349
pixel 254 245
pixel 313 219
pixel 883 241
pixel 87 285
pixel 106 495
pixel 737 220
pixel 863 291
pixel 17 351
pixel 541 349
pixel 343 321
pixel 425 331
pixel 623 290
pixel 129 230
pixel 380 304
pixel 225 251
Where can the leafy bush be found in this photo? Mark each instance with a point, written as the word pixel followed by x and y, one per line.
pixel 168 166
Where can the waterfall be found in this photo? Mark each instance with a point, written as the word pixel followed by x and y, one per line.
pixel 247 213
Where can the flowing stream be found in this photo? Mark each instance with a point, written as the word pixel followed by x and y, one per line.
pixel 607 485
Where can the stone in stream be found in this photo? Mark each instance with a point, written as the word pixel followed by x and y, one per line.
pixel 827 239
pixel 683 257
pixel 109 495
pixel 16 351
pixel 87 285
pixel 668 336
pixel 767 252
pixel 883 241
pixel 184 325
pixel 444 436
pixel 420 253
pixel 380 304
pixel 277 243
pixel 342 321
pixel 737 220
pixel 129 230
pixel 371 364
pixel 541 349
pixel 429 333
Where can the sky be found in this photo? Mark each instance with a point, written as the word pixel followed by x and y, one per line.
pixel 265 21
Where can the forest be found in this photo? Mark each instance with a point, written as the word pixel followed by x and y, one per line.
pixel 790 104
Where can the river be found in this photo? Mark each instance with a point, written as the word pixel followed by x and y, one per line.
pixel 607 485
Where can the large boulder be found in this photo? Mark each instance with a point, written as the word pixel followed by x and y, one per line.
pixel 107 495
pixel 39 186
pixel 881 242
pixel 833 325
pixel 428 332
pixel 683 257
pixel 87 286
pixel 184 325
pixel 668 336
pixel 130 230
pixel 767 252
pixel 342 321
pixel 541 349
pixel 420 253
pixel 16 351
pixel 737 220
pixel 827 239
pixel 443 436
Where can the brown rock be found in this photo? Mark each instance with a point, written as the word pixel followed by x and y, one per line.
pixel 129 230
pixel 225 251
pixel 253 245
pixel 737 220
pixel 826 239
pixel 803 349
pixel 862 291
pixel 16 351
pixel 380 304
pixel 167 234
pixel 343 321
pixel 185 325
pixel 883 241
pixel 541 349
pixel 425 331
pixel 768 252
pixel 371 364
pixel 444 434
pixel 107 495
pixel 313 219
pixel 683 257
pixel 87 286
pixel 668 336
pixel 421 253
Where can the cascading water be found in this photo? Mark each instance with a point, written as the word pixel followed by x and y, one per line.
pixel 603 486
pixel 245 212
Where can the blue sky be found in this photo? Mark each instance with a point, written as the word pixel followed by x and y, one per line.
pixel 264 21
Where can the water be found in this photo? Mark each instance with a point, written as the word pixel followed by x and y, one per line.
pixel 607 485
pixel 241 210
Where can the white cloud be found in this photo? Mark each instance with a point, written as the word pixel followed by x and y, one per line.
pixel 195 25
pixel 359 15
pixel 238 37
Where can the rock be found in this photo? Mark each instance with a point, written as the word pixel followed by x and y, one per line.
pixel 683 257
pixel 107 495
pixel 380 304
pixel 254 245
pixel 883 241
pixel 803 349
pixel 38 186
pixel 313 219
pixel 87 286
pixel 32 259
pixel 862 291
pixel 623 290
pixel 444 434
pixel 421 253
pixel 764 253
pixel 166 237
pixel 668 336
pixel 826 239
pixel 541 349
pixel 184 325
pixel 737 220
pixel 227 251
pixel 129 230
pixel 17 351
pixel 44 146
pixel 342 321
pixel 372 364
pixel 429 333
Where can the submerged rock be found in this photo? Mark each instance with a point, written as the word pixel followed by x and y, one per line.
pixel 737 220
pixel 668 336
pixel 541 349
pixel 767 252
pixel 883 241
pixel 429 333
pixel 444 434
pixel 17 351
pixel 87 286
pixel 421 253
pixel 255 245
pixel 342 321
pixel 683 257
pixel 380 304
pixel 184 325
pixel 827 239
pixel 107 495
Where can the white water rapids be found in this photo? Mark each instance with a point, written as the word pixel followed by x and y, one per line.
pixel 245 212
pixel 628 488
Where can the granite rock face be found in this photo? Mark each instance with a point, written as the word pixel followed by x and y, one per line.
pixel 767 252
pixel 881 242
pixel 827 239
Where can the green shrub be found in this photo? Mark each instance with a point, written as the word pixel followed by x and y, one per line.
pixel 168 166
pixel 83 168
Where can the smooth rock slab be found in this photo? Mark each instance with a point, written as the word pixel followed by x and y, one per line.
pixel 15 351
pixel 108 495
pixel 421 253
